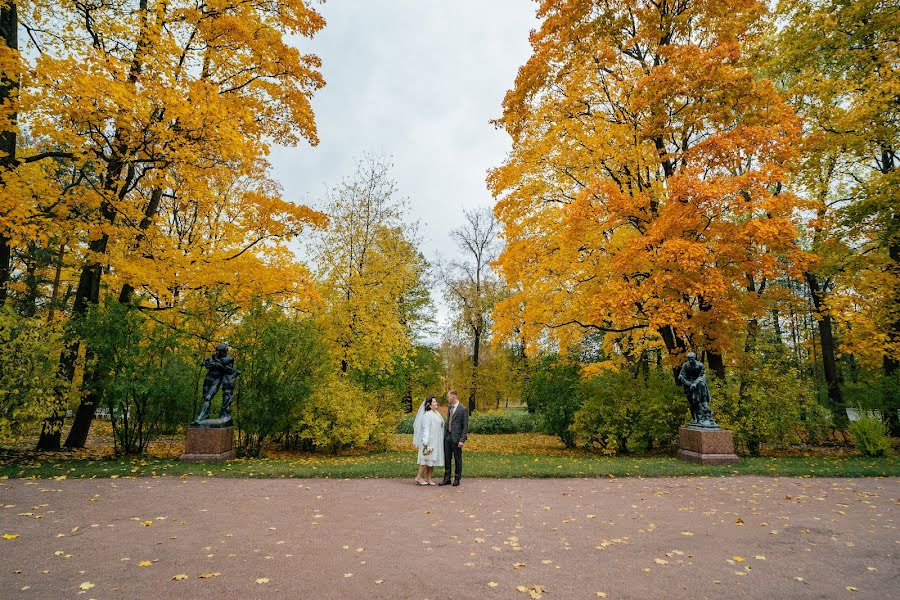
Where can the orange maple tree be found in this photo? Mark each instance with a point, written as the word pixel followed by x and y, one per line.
pixel 643 193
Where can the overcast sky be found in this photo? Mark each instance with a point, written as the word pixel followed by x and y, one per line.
pixel 419 81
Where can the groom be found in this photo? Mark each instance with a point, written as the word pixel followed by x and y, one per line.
pixel 454 436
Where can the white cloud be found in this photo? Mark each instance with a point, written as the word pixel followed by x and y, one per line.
pixel 418 80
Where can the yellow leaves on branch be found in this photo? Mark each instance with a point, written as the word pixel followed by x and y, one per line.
pixel 159 137
pixel 642 190
pixel 371 271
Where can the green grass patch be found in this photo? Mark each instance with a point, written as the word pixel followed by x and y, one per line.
pixel 477 464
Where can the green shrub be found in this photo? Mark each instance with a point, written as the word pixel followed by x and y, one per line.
pixel 282 362
pixel 139 369
pixel 871 436
pixel 405 424
pixel 30 384
pixel 494 422
pixel 623 413
pixel 553 390
pixel 490 422
pixel 525 422
pixel 765 404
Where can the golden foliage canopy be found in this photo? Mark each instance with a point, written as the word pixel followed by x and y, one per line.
pixel 643 193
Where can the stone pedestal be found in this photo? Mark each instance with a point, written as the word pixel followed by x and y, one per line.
pixel 707 446
pixel 204 444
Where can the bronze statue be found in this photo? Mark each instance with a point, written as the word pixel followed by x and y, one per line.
pixel 220 374
pixel 692 377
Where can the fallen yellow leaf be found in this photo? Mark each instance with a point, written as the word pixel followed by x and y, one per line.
pixel 379 581
pixel 348 574
pixel 660 561
pixel 759 557
pixel 145 563
pixel 208 575
pixel 602 594
pixel 493 584
pixel 737 558
pixel 519 565
pixel 180 577
pixel 850 588
pixel 262 580
pixel 10 536
pixel 687 533
pixel 86 585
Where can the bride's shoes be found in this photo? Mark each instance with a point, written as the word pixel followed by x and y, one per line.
pixel 420 482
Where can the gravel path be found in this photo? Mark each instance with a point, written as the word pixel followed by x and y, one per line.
pixel 738 537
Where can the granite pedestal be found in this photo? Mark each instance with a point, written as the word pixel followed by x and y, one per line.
pixel 204 444
pixel 707 446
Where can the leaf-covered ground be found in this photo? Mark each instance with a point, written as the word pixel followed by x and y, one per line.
pixel 736 537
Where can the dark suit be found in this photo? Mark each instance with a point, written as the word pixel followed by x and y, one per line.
pixel 456 431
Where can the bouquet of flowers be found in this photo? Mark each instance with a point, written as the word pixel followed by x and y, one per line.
pixel 427 450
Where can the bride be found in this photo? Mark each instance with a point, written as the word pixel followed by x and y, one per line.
pixel 428 437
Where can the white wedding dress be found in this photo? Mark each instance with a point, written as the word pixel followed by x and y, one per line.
pixel 431 425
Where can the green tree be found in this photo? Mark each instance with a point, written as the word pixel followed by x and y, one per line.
pixel 553 389
pixel 282 362
pixel 143 372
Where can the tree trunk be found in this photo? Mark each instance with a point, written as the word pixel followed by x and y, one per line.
pixel 149 213
pixel 675 346
pixel 891 361
pixel 57 276
pixel 716 363
pixel 51 432
pixel 476 344
pixel 5 266
pixel 826 338
pixel 9 27
pixel 88 292
pixel 776 322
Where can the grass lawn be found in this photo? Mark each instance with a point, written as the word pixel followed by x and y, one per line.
pixel 519 455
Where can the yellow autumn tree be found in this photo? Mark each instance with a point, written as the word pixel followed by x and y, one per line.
pixel 643 193
pixel 163 112
pixel 837 61
pixel 370 271
pixel 837 64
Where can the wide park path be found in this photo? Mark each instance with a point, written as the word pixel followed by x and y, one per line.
pixel 692 538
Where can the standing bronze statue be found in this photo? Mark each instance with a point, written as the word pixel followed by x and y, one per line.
pixel 692 377
pixel 220 374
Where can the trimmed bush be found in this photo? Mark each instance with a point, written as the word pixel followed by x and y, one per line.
pixel 622 413
pixel 491 422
